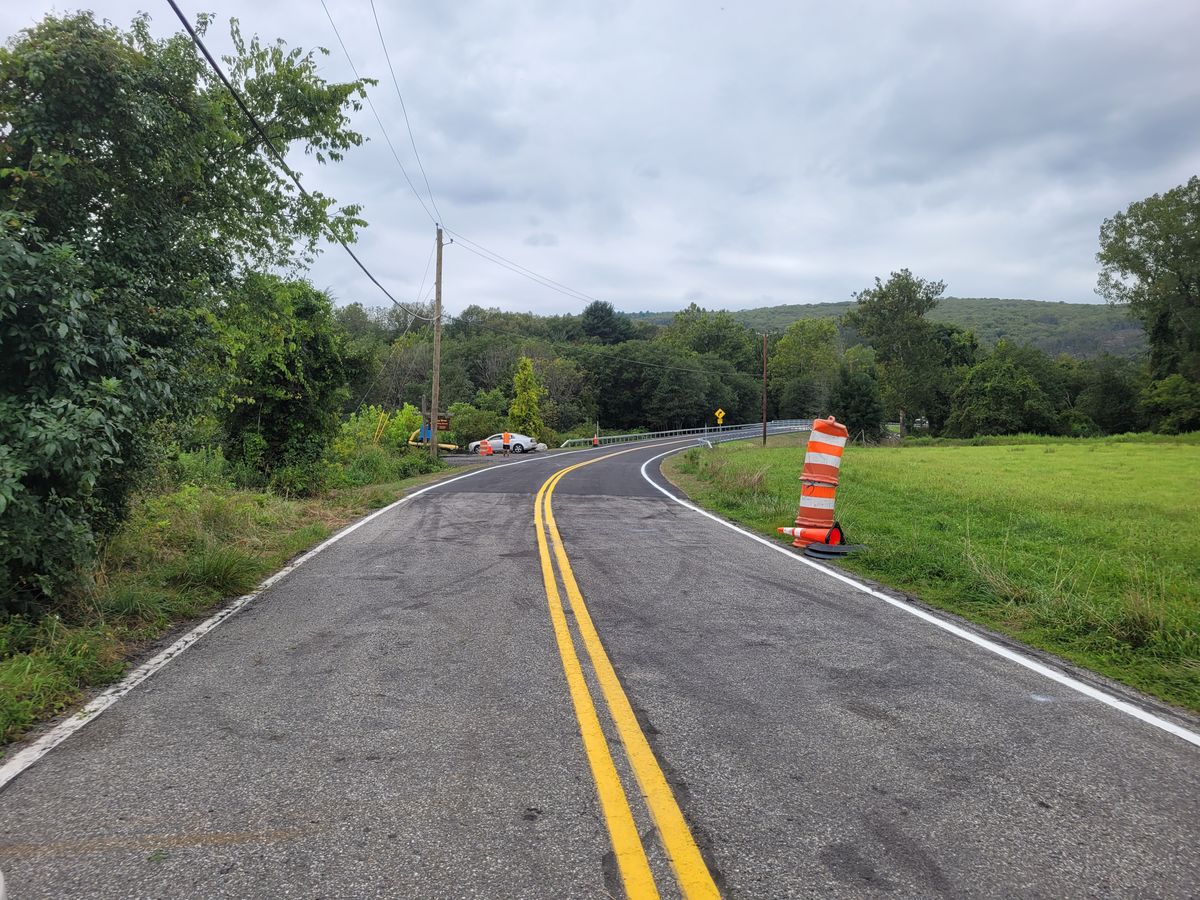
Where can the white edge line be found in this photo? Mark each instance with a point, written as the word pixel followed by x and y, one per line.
pixel 1020 659
pixel 19 762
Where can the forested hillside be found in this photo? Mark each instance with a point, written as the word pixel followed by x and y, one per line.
pixel 1082 330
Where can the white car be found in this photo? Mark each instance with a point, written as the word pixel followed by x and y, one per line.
pixel 517 443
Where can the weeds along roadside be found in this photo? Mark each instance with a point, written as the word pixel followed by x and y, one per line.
pixel 1088 548
pixel 187 547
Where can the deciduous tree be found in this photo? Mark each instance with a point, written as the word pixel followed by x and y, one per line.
pixel 525 413
pixel 718 333
pixel 1001 395
pixel 1150 261
pixel 803 366
pixel 891 316
pixel 130 179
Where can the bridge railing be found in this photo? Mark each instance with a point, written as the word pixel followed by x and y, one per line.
pixel 712 432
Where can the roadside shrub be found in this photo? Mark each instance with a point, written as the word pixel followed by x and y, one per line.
pixel 71 400
pixel 205 467
pixel 289 379
pixel 1174 405
pixel 246 466
pixel 374 425
pixel 1076 424
pixel 376 465
pixel 372 448
pixel 299 479
pixel 369 465
pixel 468 423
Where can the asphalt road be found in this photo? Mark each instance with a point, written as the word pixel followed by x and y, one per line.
pixel 392 720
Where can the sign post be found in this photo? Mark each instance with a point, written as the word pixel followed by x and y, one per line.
pixel 720 414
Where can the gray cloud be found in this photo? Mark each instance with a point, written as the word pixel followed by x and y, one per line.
pixel 764 152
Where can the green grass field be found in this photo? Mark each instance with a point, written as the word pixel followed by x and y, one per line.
pixel 1087 548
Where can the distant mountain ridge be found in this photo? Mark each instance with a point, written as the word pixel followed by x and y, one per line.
pixel 1077 329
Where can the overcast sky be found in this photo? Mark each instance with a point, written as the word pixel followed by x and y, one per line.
pixel 653 153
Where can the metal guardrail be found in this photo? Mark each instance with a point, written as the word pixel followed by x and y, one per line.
pixel 718 432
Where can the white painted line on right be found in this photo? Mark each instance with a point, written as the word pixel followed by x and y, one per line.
pixel 1019 658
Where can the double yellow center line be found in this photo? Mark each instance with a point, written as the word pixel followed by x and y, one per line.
pixel 690 871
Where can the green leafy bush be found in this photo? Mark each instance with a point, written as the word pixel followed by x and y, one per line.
pixel 372 448
pixel 71 392
pixel 374 425
pixel 1174 404
pixel 468 423
pixel 206 467
pixel 290 381
pixel 374 464
pixel 300 479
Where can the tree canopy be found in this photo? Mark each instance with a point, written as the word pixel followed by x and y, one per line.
pixel 891 317
pixel 135 199
pixel 525 412
pixel 1150 261
pixel 605 325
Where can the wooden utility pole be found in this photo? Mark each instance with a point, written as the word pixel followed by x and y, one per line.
pixel 764 397
pixel 437 349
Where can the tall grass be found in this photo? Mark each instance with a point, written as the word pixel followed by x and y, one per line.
pixel 177 557
pixel 1089 548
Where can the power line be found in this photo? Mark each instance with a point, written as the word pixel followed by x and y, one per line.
pixel 386 136
pixel 403 109
pixel 505 263
pixel 392 350
pixel 483 254
pixel 277 155
pixel 472 246
pixel 425 274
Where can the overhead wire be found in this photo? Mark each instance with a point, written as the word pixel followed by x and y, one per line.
pixel 425 274
pixel 462 240
pixel 295 178
pixel 478 249
pixel 481 251
pixel 504 265
pixel 379 120
pixel 408 322
pixel 396 84
pixel 528 273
